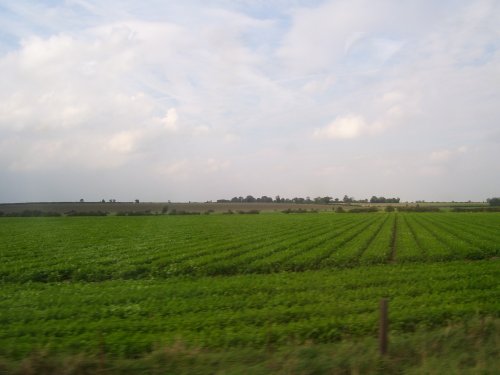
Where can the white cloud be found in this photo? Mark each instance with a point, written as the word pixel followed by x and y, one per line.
pixel 200 130
pixel 352 39
pixel 178 168
pixel 316 86
pixel 319 35
pixel 123 142
pixel 170 120
pixel 231 138
pixel 440 156
pixel 350 127
pixel 346 127
pixel 37 156
pixel 213 165
pixel 446 155
pixel 189 169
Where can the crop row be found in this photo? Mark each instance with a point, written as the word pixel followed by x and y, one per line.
pixel 131 317
pixel 106 248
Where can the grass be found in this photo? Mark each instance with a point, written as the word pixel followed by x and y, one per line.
pixel 471 348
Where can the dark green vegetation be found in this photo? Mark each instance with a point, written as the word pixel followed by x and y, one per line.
pixel 246 310
pixel 207 288
pixel 493 201
pixel 107 248
pixel 85 208
pixel 155 208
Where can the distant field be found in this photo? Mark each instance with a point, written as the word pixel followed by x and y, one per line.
pixel 154 207
pixel 130 285
pixel 158 207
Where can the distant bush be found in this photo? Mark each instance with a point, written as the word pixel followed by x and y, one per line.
pixel 182 212
pixel 418 208
pixel 491 209
pixel 249 212
pixel 375 199
pixel 134 213
pixel 299 211
pixel 493 201
pixel 475 209
pixel 358 210
pixel 339 210
pixel 466 209
pixel 389 209
pixel 32 213
pixel 87 213
pixel 228 212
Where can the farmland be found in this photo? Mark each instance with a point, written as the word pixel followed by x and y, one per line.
pixel 126 286
pixel 108 248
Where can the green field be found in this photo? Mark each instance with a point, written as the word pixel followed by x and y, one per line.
pixel 125 287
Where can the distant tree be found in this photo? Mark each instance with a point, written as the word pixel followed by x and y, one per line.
pixel 82 200
pixel 250 199
pixel 347 199
pixel 493 201
pixel 322 200
pixel 137 201
pixel 103 201
pixel 375 199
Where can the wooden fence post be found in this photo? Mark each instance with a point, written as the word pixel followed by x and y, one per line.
pixel 383 336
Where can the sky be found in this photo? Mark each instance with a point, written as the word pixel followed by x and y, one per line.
pixel 201 100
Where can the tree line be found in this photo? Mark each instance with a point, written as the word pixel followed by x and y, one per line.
pixel 307 200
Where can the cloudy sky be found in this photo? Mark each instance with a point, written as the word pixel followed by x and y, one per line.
pixel 199 100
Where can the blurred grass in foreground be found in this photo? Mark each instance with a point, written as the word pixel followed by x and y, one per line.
pixel 472 348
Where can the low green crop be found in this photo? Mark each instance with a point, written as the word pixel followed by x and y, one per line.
pixel 133 317
pixel 108 248
pixel 127 286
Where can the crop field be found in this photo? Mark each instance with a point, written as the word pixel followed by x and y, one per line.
pixel 127 286
pixel 108 248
